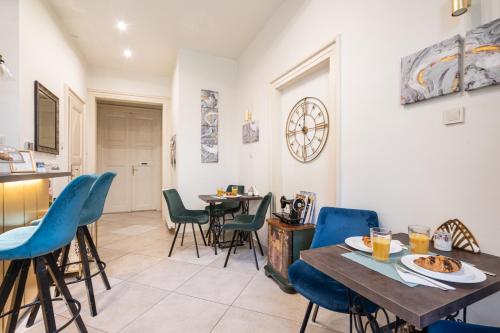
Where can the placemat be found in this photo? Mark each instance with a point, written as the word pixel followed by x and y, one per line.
pixel 384 268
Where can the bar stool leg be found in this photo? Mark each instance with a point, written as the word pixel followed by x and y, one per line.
pixel 42 279
pixel 95 255
pixel 58 279
pixel 18 297
pixel 64 262
pixel 9 281
pixel 80 236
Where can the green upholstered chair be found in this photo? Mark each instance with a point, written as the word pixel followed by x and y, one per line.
pixel 224 208
pixel 181 216
pixel 248 224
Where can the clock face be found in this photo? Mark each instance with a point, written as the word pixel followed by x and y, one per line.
pixel 307 129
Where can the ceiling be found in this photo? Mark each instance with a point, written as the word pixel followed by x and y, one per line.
pixel 157 29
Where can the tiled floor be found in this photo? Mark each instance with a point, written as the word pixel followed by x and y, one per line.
pixel 153 293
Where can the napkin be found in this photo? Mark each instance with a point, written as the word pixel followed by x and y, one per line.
pixel 411 278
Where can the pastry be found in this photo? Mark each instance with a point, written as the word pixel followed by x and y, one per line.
pixel 367 241
pixel 439 264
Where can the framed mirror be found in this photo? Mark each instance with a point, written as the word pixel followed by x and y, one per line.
pixel 46 120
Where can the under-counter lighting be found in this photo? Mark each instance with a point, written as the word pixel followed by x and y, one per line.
pixel 121 26
pixel 127 53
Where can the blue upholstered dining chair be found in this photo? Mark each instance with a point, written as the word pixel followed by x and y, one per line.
pixel 448 326
pixel 333 226
pixel 38 243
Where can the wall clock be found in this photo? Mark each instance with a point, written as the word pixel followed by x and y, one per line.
pixel 307 129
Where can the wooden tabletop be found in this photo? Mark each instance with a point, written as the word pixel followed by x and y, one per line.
pixel 289 227
pixel 211 198
pixel 15 177
pixel 419 306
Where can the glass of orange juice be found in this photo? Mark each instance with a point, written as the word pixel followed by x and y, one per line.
pixel 234 190
pixel 220 191
pixel 381 243
pixel 419 239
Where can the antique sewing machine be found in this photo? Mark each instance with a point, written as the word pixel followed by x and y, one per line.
pixel 296 206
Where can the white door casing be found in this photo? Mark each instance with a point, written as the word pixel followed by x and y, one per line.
pixel 76 109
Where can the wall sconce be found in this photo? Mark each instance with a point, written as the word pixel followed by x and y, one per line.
pixel 4 71
pixel 459 7
pixel 248 116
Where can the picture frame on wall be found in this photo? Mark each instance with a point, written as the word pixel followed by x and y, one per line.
pixel 27 166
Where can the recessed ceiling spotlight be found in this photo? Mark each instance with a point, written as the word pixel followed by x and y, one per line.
pixel 127 53
pixel 121 26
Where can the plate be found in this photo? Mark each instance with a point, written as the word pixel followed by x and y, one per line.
pixel 232 196
pixel 357 243
pixel 466 274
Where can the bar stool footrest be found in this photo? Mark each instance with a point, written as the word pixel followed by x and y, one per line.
pixel 100 271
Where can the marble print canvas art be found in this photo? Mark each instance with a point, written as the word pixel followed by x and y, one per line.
pixel 431 72
pixel 251 132
pixel 209 126
pixel 482 56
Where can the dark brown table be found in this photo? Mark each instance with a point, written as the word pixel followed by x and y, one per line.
pixel 419 306
pixel 215 227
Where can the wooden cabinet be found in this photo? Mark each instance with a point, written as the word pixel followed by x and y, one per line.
pixel 285 241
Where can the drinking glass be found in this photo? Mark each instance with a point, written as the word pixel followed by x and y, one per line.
pixel 419 239
pixel 381 243
pixel 220 192
pixel 234 190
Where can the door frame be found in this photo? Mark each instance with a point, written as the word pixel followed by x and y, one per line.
pixel 91 121
pixel 329 55
pixel 67 92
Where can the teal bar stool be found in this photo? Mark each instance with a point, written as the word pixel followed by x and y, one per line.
pixel 91 212
pixel 36 244
pixel 248 224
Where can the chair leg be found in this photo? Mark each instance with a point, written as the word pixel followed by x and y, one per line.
pixel 58 279
pixel 183 232
pixel 250 244
pixel 258 242
pixel 254 252
pixel 195 242
pixel 306 317
pixel 86 271
pixel 9 281
pixel 42 279
pixel 64 262
pixel 18 297
pixel 315 313
pixel 202 235
pixel 236 245
pixel 173 242
pixel 230 247
pixel 95 254
pixel 350 321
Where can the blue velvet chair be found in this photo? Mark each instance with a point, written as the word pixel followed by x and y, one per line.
pixel 447 326
pixel 90 213
pixel 334 225
pixel 38 243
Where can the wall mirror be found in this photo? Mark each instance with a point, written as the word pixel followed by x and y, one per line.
pixel 46 120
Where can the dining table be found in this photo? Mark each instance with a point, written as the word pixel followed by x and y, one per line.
pixel 418 306
pixel 215 227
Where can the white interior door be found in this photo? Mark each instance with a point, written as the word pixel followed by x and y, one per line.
pixel 129 141
pixel 76 108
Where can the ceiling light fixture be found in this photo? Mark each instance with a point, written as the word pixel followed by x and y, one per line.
pixel 121 26
pixel 459 7
pixel 127 53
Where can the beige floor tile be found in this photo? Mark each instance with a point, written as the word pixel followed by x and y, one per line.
pixel 188 254
pixel 107 254
pixel 128 265
pixel 134 230
pixel 106 238
pixel 121 305
pixel 245 321
pixel 38 327
pixel 179 313
pixel 243 261
pixel 217 285
pixel 132 243
pixel 263 295
pixel 167 274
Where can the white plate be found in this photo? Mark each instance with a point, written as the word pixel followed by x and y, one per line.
pixel 466 274
pixel 357 243
pixel 232 196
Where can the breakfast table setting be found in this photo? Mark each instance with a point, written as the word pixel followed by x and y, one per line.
pixel 417 277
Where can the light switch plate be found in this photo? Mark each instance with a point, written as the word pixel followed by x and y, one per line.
pixel 453 116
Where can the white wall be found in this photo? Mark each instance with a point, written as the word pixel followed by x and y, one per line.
pixel 9 88
pixel 195 72
pixel 48 56
pixel 399 161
